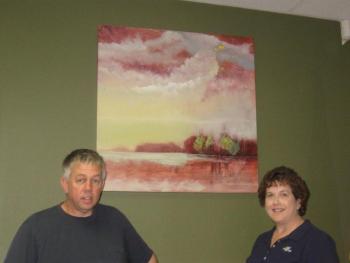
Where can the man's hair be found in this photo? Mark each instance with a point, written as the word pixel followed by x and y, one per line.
pixel 83 156
pixel 285 176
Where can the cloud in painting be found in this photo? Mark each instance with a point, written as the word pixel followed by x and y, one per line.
pixel 171 62
pixel 208 79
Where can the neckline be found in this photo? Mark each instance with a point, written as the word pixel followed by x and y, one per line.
pixel 295 234
pixel 76 218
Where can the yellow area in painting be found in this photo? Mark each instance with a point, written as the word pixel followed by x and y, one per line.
pixel 219 47
pixel 129 135
pixel 127 121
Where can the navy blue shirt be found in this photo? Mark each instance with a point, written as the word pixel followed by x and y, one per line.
pixel 52 236
pixel 306 244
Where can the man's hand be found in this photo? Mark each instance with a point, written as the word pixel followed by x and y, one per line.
pixel 153 259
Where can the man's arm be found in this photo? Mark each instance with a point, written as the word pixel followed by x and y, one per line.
pixel 153 259
pixel 22 248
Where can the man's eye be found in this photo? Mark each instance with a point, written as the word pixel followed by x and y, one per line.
pixel 80 180
pixel 96 181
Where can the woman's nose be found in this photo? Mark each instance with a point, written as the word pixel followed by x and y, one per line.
pixel 275 200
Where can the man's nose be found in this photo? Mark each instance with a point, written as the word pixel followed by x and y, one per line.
pixel 88 185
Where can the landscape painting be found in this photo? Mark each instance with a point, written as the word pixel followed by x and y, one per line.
pixel 176 111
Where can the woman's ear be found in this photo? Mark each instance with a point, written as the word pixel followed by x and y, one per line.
pixel 298 204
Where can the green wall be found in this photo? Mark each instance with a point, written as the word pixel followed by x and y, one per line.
pixel 48 53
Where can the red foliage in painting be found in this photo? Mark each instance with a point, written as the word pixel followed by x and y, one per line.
pixel 206 145
pixel 158 147
pixel 247 148
pixel 188 145
pixel 203 144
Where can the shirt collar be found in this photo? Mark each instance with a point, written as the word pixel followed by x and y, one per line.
pixel 297 233
pixel 300 231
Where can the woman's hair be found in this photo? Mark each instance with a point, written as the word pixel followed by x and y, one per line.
pixel 83 156
pixel 285 176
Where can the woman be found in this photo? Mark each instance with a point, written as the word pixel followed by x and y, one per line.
pixel 284 194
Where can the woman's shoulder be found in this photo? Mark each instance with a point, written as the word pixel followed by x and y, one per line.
pixel 318 245
pixel 265 236
pixel 315 231
pixel 317 236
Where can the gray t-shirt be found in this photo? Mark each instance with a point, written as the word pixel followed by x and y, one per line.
pixel 52 236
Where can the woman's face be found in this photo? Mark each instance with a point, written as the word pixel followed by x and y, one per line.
pixel 281 205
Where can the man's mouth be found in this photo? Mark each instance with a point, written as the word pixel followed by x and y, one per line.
pixel 87 198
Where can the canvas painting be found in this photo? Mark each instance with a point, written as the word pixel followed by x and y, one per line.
pixel 176 111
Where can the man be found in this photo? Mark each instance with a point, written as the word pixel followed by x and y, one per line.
pixel 79 230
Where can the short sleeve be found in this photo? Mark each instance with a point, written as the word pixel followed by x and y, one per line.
pixel 137 249
pixel 321 249
pixel 23 247
pixel 257 250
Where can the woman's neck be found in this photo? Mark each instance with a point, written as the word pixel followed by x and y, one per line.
pixel 284 229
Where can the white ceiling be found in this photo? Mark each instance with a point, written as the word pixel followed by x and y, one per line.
pixel 325 9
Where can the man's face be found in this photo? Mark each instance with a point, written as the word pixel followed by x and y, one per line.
pixel 83 188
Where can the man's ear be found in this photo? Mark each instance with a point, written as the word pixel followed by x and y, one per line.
pixel 64 184
pixel 103 184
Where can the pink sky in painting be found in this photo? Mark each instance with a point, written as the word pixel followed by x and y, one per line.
pixel 200 66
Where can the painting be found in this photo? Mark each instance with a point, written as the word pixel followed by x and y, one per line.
pixel 176 110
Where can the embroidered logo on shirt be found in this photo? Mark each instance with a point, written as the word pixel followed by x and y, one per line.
pixel 288 249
